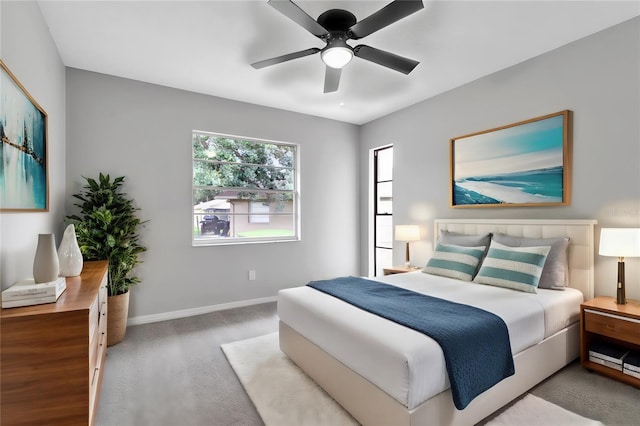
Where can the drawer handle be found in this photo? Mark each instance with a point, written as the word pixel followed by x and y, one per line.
pixel 611 327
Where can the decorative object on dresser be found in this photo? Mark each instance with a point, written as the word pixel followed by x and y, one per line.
pixel 52 355
pixel 27 292
pixel 407 233
pixel 69 253
pixel 620 243
pixel 107 229
pixel 45 262
pixel 610 338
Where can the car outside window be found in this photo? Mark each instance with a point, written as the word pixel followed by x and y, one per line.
pixel 244 190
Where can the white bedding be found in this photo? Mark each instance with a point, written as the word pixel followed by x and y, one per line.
pixel 404 363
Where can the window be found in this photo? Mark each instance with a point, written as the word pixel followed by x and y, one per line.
pixel 257 210
pixel 383 209
pixel 244 190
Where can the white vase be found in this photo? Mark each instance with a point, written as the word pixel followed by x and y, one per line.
pixel 69 253
pixel 45 264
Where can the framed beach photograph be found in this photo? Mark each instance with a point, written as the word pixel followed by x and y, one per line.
pixel 23 153
pixel 522 164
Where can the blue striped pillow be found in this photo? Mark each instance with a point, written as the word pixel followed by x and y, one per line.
pixel 518 268
pixel 454 261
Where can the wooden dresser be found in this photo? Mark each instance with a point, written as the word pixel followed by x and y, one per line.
pixel 52 355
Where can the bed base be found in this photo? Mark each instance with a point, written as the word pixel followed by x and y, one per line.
pixel 371 406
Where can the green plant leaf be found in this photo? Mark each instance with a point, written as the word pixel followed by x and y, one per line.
pixel 107 229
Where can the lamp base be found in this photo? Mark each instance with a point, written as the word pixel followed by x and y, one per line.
pixel 621 297
pixel 406 257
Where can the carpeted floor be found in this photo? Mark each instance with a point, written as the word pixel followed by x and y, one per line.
pixel 592 395
pixel 174 373
pixel 533 411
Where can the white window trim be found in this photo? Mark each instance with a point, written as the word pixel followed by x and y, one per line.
pixel 206 242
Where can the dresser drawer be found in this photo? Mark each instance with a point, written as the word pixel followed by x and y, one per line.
pixel 94 318
pixel 102 293
pixel 95 373
pixel 97 336
pixel 102 309
pixel 94 338
pixel 97 357
pixel 614 326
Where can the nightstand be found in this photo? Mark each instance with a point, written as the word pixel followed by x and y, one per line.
pixel 603 319
pixel 399 269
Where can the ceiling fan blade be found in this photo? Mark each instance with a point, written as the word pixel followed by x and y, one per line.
pixel 389 14
pixel 332 79
pixel 299 16
pixel 386 59
pixel 285 58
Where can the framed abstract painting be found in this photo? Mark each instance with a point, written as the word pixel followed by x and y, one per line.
pixel 522 164
pixel 23 153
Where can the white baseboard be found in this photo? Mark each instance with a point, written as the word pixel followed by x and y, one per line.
pixel 145 319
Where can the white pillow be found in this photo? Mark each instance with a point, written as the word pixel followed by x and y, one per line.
pixel 518 268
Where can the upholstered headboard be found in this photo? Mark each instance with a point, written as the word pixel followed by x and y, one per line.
pixel 580 233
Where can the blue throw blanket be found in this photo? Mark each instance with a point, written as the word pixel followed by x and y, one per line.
pixel 475 342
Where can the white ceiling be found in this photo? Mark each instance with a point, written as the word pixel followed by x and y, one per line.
pixel 207 46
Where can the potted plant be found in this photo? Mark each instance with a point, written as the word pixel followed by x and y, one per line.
pixel 107 229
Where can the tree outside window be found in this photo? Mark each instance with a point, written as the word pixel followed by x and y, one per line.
pixel 233 176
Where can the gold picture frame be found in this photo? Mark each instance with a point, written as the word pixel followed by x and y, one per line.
pixel 24 171
pixel 523 164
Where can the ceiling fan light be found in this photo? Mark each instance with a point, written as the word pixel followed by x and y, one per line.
pixel 336 57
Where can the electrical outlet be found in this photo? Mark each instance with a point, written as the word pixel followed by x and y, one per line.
pixel 252 275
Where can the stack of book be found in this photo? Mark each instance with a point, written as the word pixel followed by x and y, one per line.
pixel 27 292
pixel 607 354
pixel 631 364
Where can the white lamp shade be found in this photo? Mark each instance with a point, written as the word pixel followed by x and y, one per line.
pixel 407 232
pixel 620 242
pixel 337 57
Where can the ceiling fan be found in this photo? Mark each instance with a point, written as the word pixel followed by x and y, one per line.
pixel 335 27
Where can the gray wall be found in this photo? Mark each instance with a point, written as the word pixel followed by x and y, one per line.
pixel 596 77
pixel 27 49
pixel 143 131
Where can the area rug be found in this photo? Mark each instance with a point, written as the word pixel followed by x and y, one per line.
pixel 285 396
pixel 539 412
pixel 282 393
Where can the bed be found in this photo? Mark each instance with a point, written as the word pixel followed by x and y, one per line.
pixel 386 374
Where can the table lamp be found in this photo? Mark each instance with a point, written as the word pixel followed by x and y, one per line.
pixel 620 243
pixel 407 233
